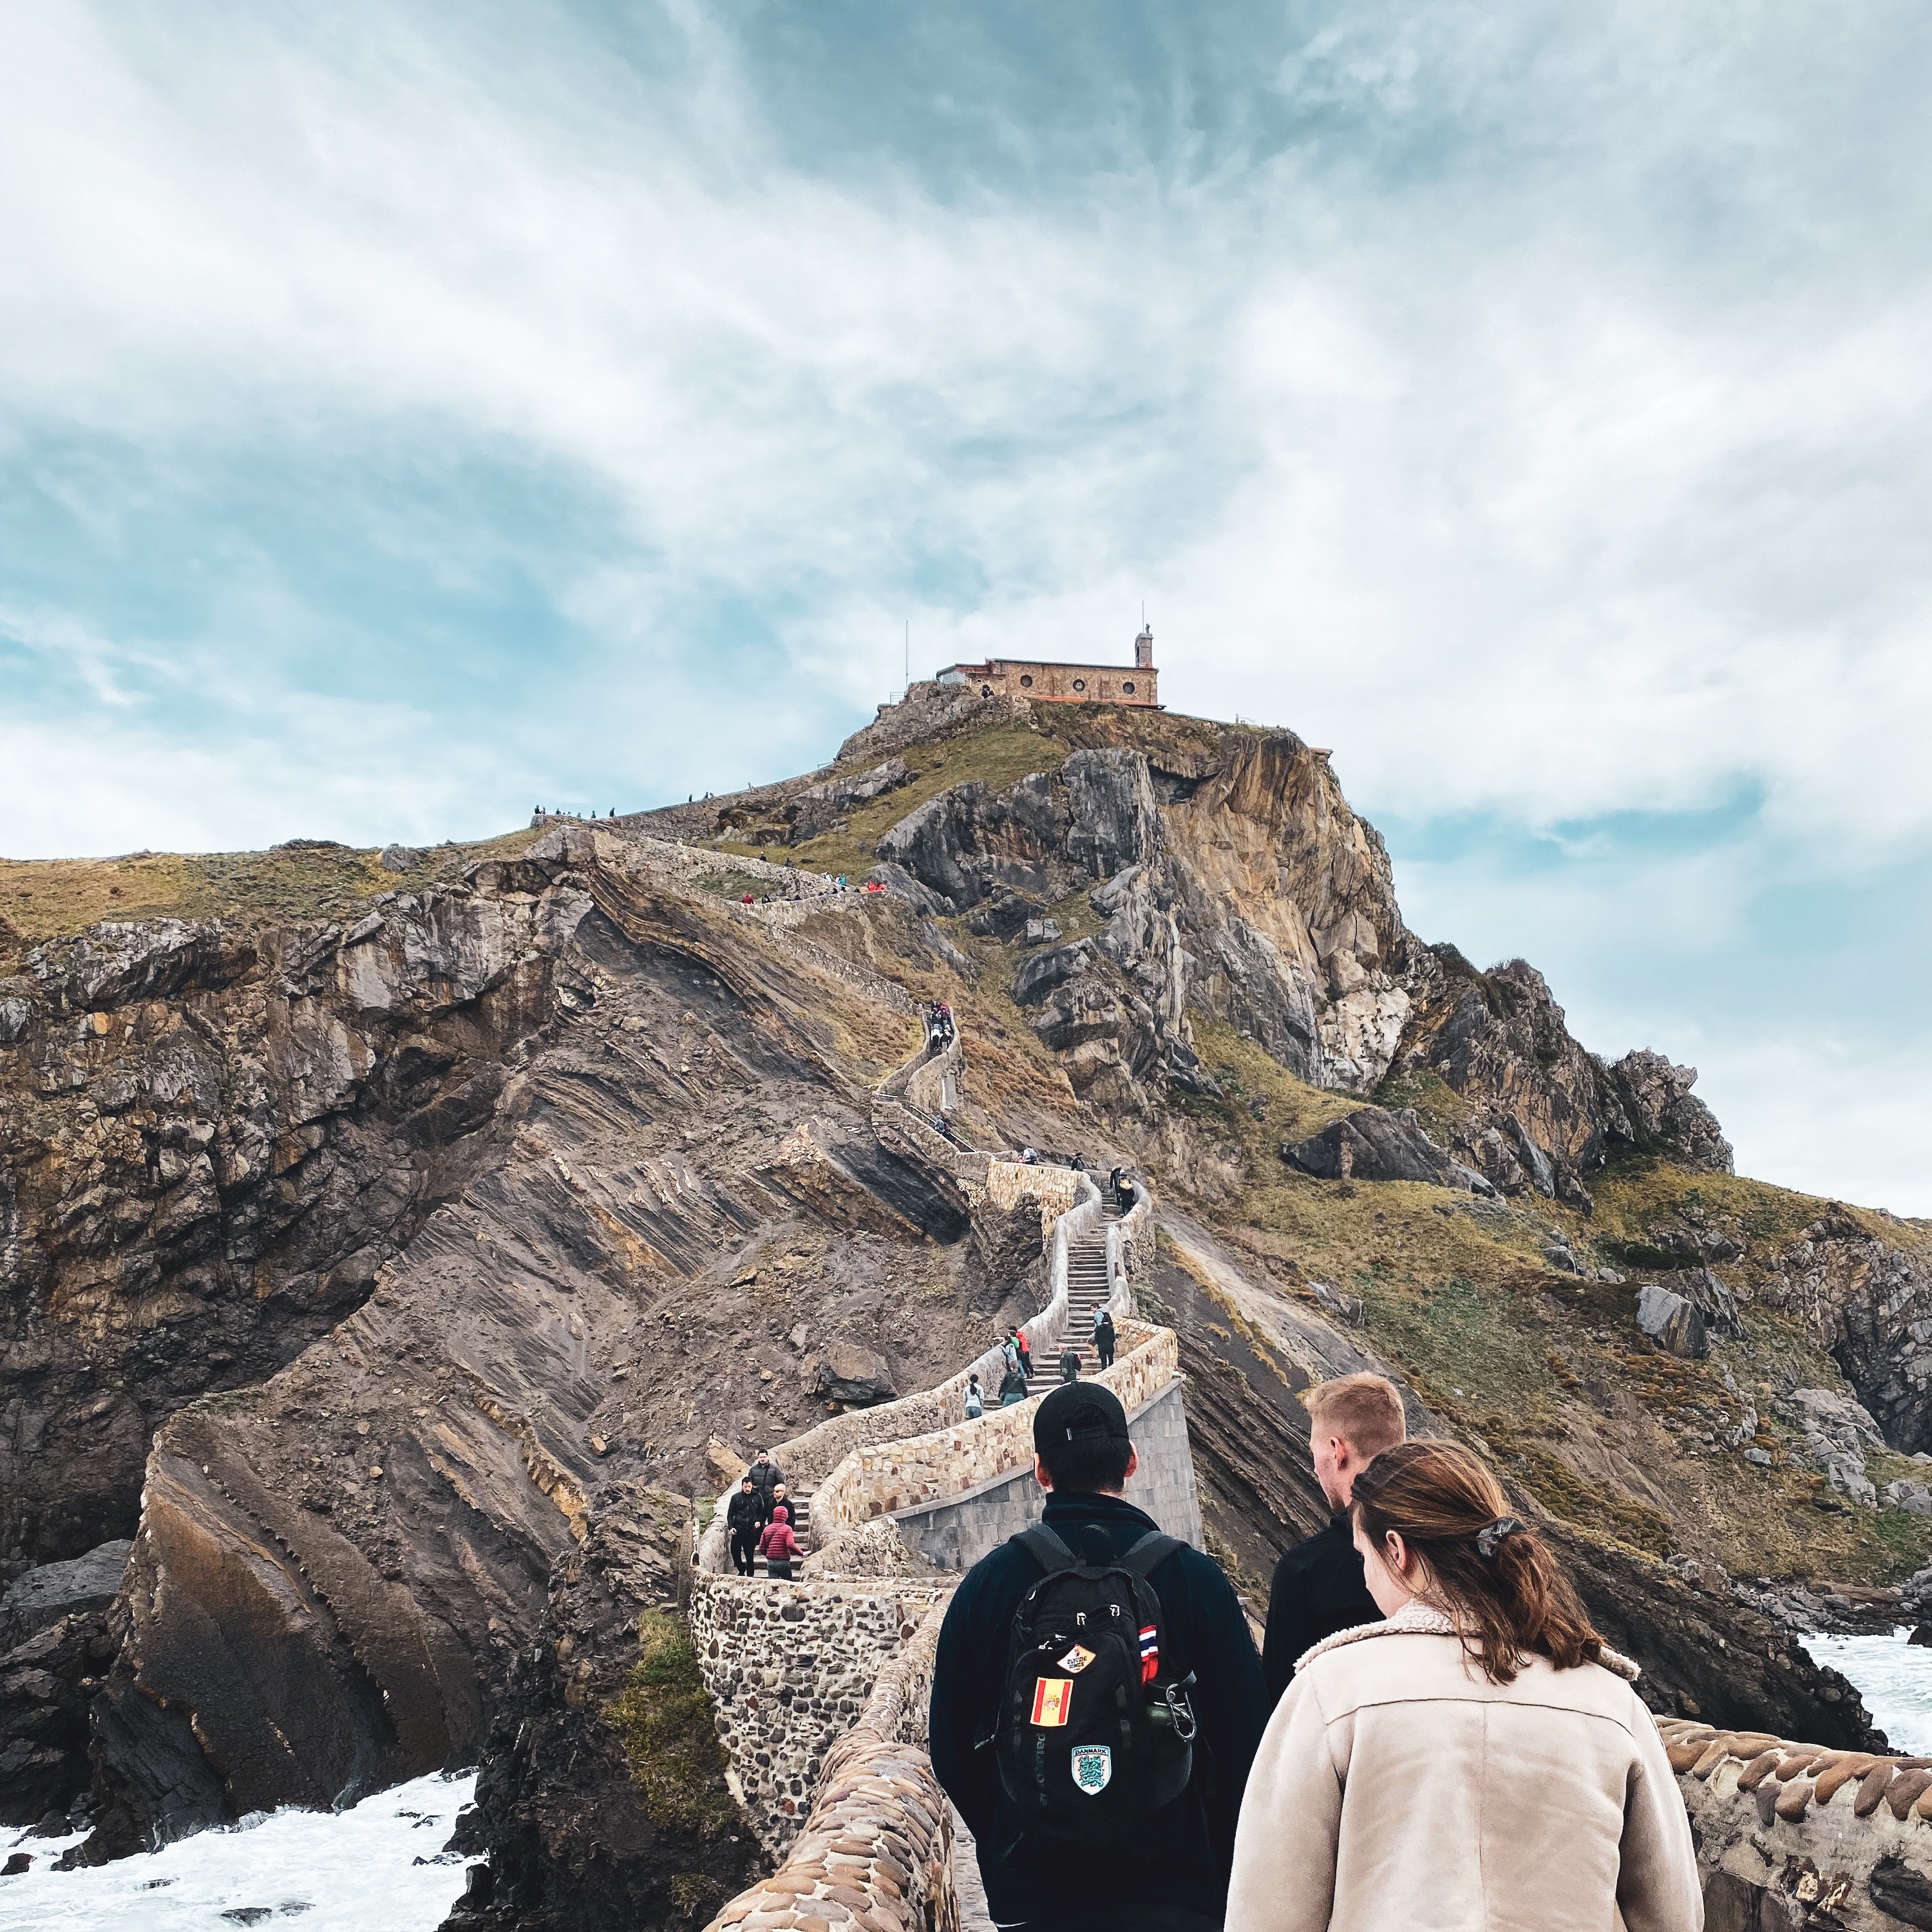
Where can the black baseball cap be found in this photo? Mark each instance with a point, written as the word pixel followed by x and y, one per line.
pixel 1078 1412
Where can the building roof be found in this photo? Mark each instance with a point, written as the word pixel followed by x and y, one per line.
pixel 1045 663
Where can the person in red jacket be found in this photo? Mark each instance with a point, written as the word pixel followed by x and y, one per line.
pixel 777 1545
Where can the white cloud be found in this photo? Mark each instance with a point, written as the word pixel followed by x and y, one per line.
pixel 1531 407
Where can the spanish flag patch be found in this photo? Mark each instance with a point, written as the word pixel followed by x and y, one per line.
pixel 1052 1698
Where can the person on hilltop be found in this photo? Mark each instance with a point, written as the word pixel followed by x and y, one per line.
pixel 1481 1757
pixel 744 1517
pixel 779 1547
pixel 1107 1671
pixel 976 1398
pixel 1070 1363
pixel 1318 1586
pixel 765 1477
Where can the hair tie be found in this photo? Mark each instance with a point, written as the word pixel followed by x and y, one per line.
pixel 1492 1533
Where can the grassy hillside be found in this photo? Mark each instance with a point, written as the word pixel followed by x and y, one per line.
pixel 44 898
pixel 1549 1372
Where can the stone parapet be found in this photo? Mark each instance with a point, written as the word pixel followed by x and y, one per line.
pixel 1793 1834
pixel 883 1477
pixel 789 1667
pixel 875 1851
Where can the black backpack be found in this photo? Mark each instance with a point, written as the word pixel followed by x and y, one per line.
pixel 1094 1733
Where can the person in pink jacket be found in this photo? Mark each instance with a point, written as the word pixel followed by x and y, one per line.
pixel 777 1545
pixel 1480 1759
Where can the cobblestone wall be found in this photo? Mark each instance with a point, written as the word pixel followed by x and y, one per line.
pixel 875 1851
pixel 789 1667
pixel 1789 1835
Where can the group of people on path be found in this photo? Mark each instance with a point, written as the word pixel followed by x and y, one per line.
pixel 1433 1736
pixel 759 1519
pixel 938 1024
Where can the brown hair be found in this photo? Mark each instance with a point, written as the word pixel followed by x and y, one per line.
pixel 1514 1601
pixel 1365 1411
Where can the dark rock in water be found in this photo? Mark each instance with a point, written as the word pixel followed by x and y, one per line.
pixel 44 1595
pixel 569 1837
pixel 1672 1322
pixel 47 1683
pixel 1921 1634
pixel 1372 1144
pixel 16 1863
pixel 247 1914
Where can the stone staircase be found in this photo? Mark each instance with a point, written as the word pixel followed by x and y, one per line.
pixel 800 1506
pixel 1087 1287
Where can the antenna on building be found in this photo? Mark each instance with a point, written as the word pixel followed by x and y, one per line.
pixel 908 654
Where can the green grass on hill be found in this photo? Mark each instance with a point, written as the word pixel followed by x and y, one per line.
pixel 1547 1371
pixel 45 899
pixel 1000 757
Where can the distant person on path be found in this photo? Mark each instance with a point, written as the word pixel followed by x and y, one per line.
pixel 744 1517
pixel 1026 1353
pixel 1480 1758
pixel 765 1477
pixel 1132 1863
pixel 1012 1388
pixel 976 1399
pixel 1105 1339
pixel 1010 1349
pixel 779 1547
pixel 1317 1587
pixel 1070 1363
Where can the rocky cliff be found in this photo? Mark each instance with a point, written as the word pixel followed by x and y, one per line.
pixel 391 1272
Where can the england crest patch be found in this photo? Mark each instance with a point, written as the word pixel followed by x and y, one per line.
pixel 1092 1768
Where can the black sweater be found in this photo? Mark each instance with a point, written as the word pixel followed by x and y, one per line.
pixel 1187 1864
pixel 1317 1591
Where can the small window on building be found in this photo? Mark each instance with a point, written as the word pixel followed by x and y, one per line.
pixel 1079 684
pixel 1127 686
pixel 1026 680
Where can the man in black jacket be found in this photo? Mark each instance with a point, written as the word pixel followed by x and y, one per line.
pixel 766 1477
pixel 745 1517
pixel 1318 1586
pixel 1178 1881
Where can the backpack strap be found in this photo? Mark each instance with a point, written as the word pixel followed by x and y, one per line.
pixel 1046 1549
pixel 1152 1550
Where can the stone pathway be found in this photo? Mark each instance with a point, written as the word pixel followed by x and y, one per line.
pixel 967 1891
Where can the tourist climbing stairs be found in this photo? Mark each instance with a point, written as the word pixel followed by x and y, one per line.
pixel 1088 1288
pixel 800 1506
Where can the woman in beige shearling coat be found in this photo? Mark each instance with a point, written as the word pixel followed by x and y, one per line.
pixel 1479 1763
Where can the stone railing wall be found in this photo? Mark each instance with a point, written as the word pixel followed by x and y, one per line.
pixel 876 1850
pixel 902 1473
pixel 807 1459
pixel 1793 1834
pixel 790 1669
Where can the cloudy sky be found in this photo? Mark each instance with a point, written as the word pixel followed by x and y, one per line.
pixel 414 413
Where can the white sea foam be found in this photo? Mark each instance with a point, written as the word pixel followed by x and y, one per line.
pixel 314 1871
pixel 1895 1678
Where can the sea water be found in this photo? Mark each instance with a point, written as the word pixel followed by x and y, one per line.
pixel 1895 1678
pixel 379 1867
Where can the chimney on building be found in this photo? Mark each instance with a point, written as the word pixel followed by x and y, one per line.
pixel 1144 649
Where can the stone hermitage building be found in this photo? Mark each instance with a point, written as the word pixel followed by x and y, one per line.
pixel 1066 683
